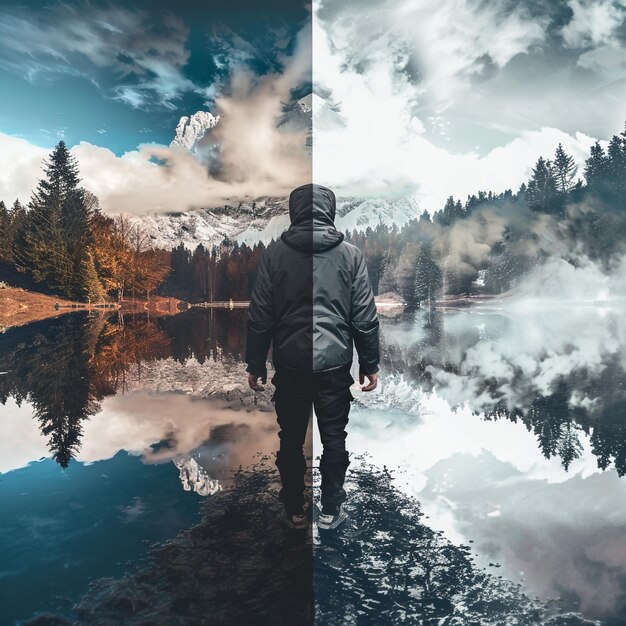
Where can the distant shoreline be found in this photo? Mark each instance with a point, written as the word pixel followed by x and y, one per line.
pixel 19 307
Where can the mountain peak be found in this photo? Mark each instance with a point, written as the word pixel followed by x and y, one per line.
pixel 192 129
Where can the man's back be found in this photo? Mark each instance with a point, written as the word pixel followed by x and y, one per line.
pixel 312 298
pixel 312 294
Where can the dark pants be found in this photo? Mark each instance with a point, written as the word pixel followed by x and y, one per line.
pixel 296 393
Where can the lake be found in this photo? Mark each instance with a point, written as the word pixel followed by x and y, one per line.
pixel 505 421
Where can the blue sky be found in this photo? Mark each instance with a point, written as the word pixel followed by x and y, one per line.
pixel 119 74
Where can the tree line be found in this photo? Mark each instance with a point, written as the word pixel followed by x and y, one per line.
pixel 426 259
pixel 65 242
pixel 63 239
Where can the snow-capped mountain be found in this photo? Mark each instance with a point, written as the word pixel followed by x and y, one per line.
pixel 359 214
pixel 192 130
pixel 266 218
pixel 195 478
pixel 247 222
pixel 326 116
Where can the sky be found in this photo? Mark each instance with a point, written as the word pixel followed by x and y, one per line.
pixel 429 98
pixel 120 74
pixel 113 79
pixel 448 97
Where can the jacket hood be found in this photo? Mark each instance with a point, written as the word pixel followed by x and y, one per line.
pixel 312 214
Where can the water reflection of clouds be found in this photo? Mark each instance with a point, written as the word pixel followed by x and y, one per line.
pixel 488 482
pixel 21 440
pixel 564 320
pixel 560 539
pixel 540 347
pixel 135 422
pixel 554 353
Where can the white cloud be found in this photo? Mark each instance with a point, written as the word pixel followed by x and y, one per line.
pixel 379 145
pixel 148 49
pixel 456 40
pixel 595 30
pixel 20 168
pixel 593 23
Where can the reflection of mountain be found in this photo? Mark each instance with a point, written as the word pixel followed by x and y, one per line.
pixel 66 366
pixel 195 478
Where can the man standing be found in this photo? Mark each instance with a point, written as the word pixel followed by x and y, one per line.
pixel 313 300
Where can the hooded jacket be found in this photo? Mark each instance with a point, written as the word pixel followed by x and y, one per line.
pixel 312 297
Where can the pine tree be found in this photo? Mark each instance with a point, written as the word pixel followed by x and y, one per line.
pixel 451 212
pixel 428 276
pixel 19 219
pixel 617 163
pixel 92 288
pixel 541 192
pixel 387 282
pixel 597 167
pixel 405 272
pixel 57 226
pixel 6 231
pixel 564 169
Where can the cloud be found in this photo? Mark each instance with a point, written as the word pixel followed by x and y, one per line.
pixel 255 159
pixel 563 323
pixel 595 32
pixel 438 46
pixel 144 52
pixel 20 168
pixel 151 179
pixel 250 141
pixel 379 143
pixel 593 23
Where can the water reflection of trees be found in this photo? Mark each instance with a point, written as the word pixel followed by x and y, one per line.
pixel 240 566
pixel 559 419
pixel 66 366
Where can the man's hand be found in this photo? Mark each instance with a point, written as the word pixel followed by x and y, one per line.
pixel 373 381
pixel 253 381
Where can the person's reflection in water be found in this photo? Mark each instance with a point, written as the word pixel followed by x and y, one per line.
pixel 313 300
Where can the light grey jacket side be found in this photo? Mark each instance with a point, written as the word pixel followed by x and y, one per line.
pixel 312 297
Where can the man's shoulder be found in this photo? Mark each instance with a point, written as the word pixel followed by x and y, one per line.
pixel 274 246
pixel 351 247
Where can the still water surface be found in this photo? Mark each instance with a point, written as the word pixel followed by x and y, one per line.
pixel 506 423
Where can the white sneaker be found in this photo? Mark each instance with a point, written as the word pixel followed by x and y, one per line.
pixel 331 522
pixel 295 522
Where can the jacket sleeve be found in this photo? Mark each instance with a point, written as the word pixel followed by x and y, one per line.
pixel 364 319
pixel 260 324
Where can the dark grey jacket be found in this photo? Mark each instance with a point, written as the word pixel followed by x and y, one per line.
pixel 312 296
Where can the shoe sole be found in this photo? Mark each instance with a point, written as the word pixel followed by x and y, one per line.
pixel 341 518
pixel 289 524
